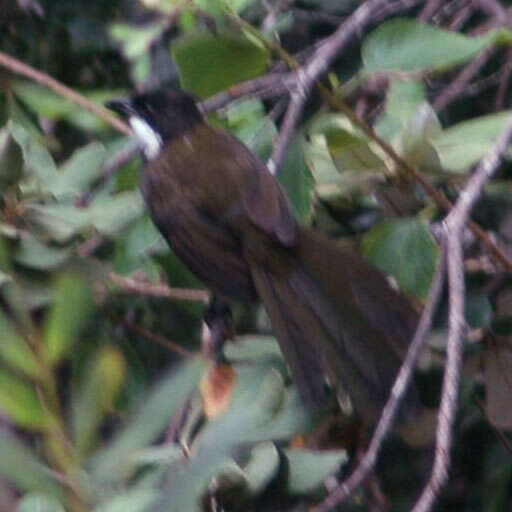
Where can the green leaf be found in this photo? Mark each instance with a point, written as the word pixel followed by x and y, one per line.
pixel 325 174
pixel 262 467
pixel 101 386
pixel 200 56
pixel 30 252
pixel 406 250
pixel 342 158
pixel 14 350
pixel 135 41
pixel 308 469
pixel 37 160
pixel 70 311
pixel 111 214
pixel 117 460
pixel 42 100
pixel 79 172
pixel 464 144
pixel 39 503
pixel 107 214
pixel 411 46
pixel 11 159
pixel 212 7
pixel 19 466
pixel 58 222
pixel 297 181
pixel 20 403
pixel 131 500
pixel 53 106
pixel 165 6
pixel 351 152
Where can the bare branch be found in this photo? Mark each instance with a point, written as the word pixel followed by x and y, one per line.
pixel 136 286
pixel 492 8
pixel 464 77
pixel 274 84
pixel 430 9
pixel 398 390
pixel 172 346
pixel 454 225
pixel 21 68
pixel 504 82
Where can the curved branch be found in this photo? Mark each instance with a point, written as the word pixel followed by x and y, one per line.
pixel 23 69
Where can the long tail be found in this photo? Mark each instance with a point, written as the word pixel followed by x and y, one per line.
pixel 337 318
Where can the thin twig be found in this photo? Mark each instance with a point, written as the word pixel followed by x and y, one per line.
pixel 151 336
pixel 111 167
pixel 492 8
pixel 430 9
pixel 454 226
pixel 504 81
pixel 274 84
pixel 397 392
pixel 23 69
pixel 131 285
pixel 457 86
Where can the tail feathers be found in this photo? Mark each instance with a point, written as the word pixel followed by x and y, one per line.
pixel 300 352
pixel 345 324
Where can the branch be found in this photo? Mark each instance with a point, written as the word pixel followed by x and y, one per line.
pixel 23 69
pixel 464 77
pixel 430 9
pixel 492 8
pixel 319 63
pixel 138 287
pixel 398 390
pixel 111 167
pixel 454 226
pixel 172 346
pixel 503 87
pixel 273 84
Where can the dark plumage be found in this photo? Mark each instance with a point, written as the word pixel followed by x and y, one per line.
pixel 228 219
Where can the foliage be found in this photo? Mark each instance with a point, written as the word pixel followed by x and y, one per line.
pixel 93 416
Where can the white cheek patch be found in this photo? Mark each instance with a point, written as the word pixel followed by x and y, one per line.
pixel 150 139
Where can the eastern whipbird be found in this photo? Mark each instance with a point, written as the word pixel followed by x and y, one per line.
pixel 335 316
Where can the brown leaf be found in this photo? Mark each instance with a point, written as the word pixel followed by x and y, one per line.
pixel 216 389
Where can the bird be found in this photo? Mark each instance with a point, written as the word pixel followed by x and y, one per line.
pixel 338 320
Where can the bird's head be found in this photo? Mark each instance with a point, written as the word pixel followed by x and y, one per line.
pixel 157 116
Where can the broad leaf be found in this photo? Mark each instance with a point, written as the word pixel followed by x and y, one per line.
pixel 14 350
pixel 19 466
pixel 406 250
pixel 20 403
pixel 200 56
pixel 464 144
pixel 100 389
pixel 411 46
pixel 308 469
pixel 70 311
pixel 116 461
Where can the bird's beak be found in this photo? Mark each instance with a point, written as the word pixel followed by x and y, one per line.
pixel 121 106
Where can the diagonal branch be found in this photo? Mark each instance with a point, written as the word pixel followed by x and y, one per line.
pixel 23 69
pixel 454 226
